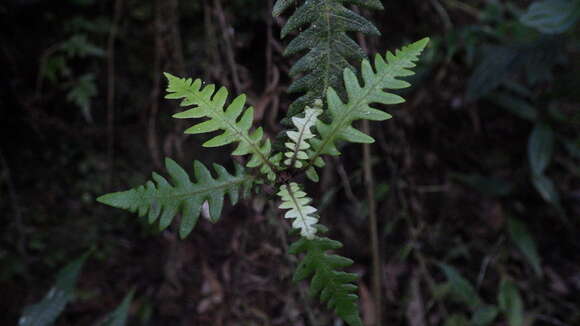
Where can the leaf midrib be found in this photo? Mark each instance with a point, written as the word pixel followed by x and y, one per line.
pixel 181 196
pixel 299 209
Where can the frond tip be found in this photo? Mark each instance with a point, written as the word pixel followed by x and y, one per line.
pixel 335 287
pixel 159 199
pixel 295 199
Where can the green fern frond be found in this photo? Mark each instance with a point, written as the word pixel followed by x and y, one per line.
pixel 335 287
pixel 360 97
pixel 295 199
pixel 329 47
pixel 159 199
pixel 234 120
pixel 298 144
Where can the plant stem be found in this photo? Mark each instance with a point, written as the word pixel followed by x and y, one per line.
pixel 370 187
pixel 282 231
pixel 374 239
pixel 118 7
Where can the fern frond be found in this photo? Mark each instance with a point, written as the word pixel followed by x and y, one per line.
pixel 360 97
pixel 160 199
pixel 329 47
pixel 295 199
pixel 335 287
pixel 298 144
pixel 234 120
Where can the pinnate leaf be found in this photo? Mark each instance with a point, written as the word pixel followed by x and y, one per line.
pixel 383 76
pixel 298 145
pixel 323 26
pixel 161 200
pixel 294 199
pixel 334 287
pixel 234 120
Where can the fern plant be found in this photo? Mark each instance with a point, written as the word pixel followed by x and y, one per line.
pixel 333 89
pixel 329 48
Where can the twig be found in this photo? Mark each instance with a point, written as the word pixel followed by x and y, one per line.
pixel 111 88
pixel 294 261
pixel 345 181
pixel 372 211
pixel 487 260
pixel 415 234
pixel 152 140
pixel 229 49
pixel 211 50
pixel 370 187
pixel 39 77
pixel 272 72
pixel 463 6
pixel 443 14
pixel 168 56
pixel 178 61
pixel 18 220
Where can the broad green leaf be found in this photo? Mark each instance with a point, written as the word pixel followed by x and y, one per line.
pixel 460 287
pixel 540 148
pixel 510 302
pixel 515 105
pixel 521 236
pixel 45 312
pixel 545 187
pixel 121 313
pixel 552 16
pixel 484 316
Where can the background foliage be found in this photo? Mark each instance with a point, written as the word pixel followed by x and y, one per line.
pixel 477 180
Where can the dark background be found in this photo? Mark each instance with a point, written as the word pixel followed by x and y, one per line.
pixel 82 114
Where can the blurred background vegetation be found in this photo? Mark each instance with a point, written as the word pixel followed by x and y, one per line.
pixel 477 177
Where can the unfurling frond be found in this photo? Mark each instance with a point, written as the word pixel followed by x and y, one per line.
pixel 235 121
pixel 299 138
pixel 360 97
pixel 335 287
pixel 160 199
pixel 329 48
pixel 295 199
